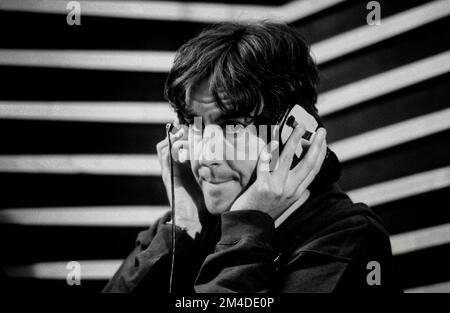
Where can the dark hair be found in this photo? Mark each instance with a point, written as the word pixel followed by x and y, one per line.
pixel 263 63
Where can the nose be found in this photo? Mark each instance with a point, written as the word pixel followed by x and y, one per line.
pixel 212 146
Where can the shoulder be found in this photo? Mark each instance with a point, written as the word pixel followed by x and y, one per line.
pixel 146 236
pixel 347 236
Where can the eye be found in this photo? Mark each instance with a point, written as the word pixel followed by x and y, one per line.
pixel 234 127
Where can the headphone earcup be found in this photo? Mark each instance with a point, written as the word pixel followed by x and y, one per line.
pixel 329 173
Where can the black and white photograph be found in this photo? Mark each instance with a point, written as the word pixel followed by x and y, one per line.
pixel 222 153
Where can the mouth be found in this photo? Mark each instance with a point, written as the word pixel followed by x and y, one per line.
pixel 215 179
pixel 215 182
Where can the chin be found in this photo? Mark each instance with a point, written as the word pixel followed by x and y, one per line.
pixel 218 203
pixel 217 206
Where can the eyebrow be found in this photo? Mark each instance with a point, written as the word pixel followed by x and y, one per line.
pixel 191 113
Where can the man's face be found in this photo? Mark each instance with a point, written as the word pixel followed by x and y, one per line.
pixel 223 178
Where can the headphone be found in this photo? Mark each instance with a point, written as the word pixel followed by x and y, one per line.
pixel 330 171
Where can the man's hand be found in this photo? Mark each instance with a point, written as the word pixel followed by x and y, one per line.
pixel 188 196
pixel 274 192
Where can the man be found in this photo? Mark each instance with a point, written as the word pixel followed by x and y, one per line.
pixel 228 233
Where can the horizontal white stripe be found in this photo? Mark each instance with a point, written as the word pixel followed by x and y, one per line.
pixel 392 135
pixel 176 11
pixel 155 61
pixel 296 10
pixel 435 288
pixel 137 216
pixel 104 269
pixel 420 239
pixel 115 216
pixel 82 164
pixel 402 187
pixel 121 112
pixel 147 164
pixel 89 269
pixel 91 60
pixel 329 102
pixel 384 83
pixel 391 26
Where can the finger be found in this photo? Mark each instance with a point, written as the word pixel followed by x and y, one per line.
pixel 288 152
pixel 162 144
pixel 311 175
pixel 161 148
pixel 185 129
pixel 177 135
pixel 301 199
pixel 179 150
pixel 265 157
pixel 302 169
pixel 317 166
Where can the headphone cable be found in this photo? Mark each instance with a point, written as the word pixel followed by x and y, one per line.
pixel 168 129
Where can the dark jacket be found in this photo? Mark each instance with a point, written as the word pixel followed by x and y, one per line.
pixel 324 246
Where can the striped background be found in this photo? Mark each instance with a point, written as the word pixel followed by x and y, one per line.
pixel 81 110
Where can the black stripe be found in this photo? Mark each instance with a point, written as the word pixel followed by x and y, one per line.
pixel 67 84
pixel 50 31
pixel 56 137
pixel 414 101
pixel 31 190
pixel 424 267
pixel 50 286
pixel 414 269
pixel 41 190
pixel 35 137
pixel 347 16
pixel 77 243
pixel 410 158
pixel 416 212
pixel 421 268
pixel 409 47
pixel 30 244
pixel 28 83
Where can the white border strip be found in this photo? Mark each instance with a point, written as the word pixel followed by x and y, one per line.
pixel 435 288
pixel 105 269
pixel 391 26
pixel 384 83
pixel 102 216
pixel 176 11
pixel 103 164
pixel 402 187
pixel 155 61
pixel 137 216
pixel 392 135
pixel 119 112
pixel 420 239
